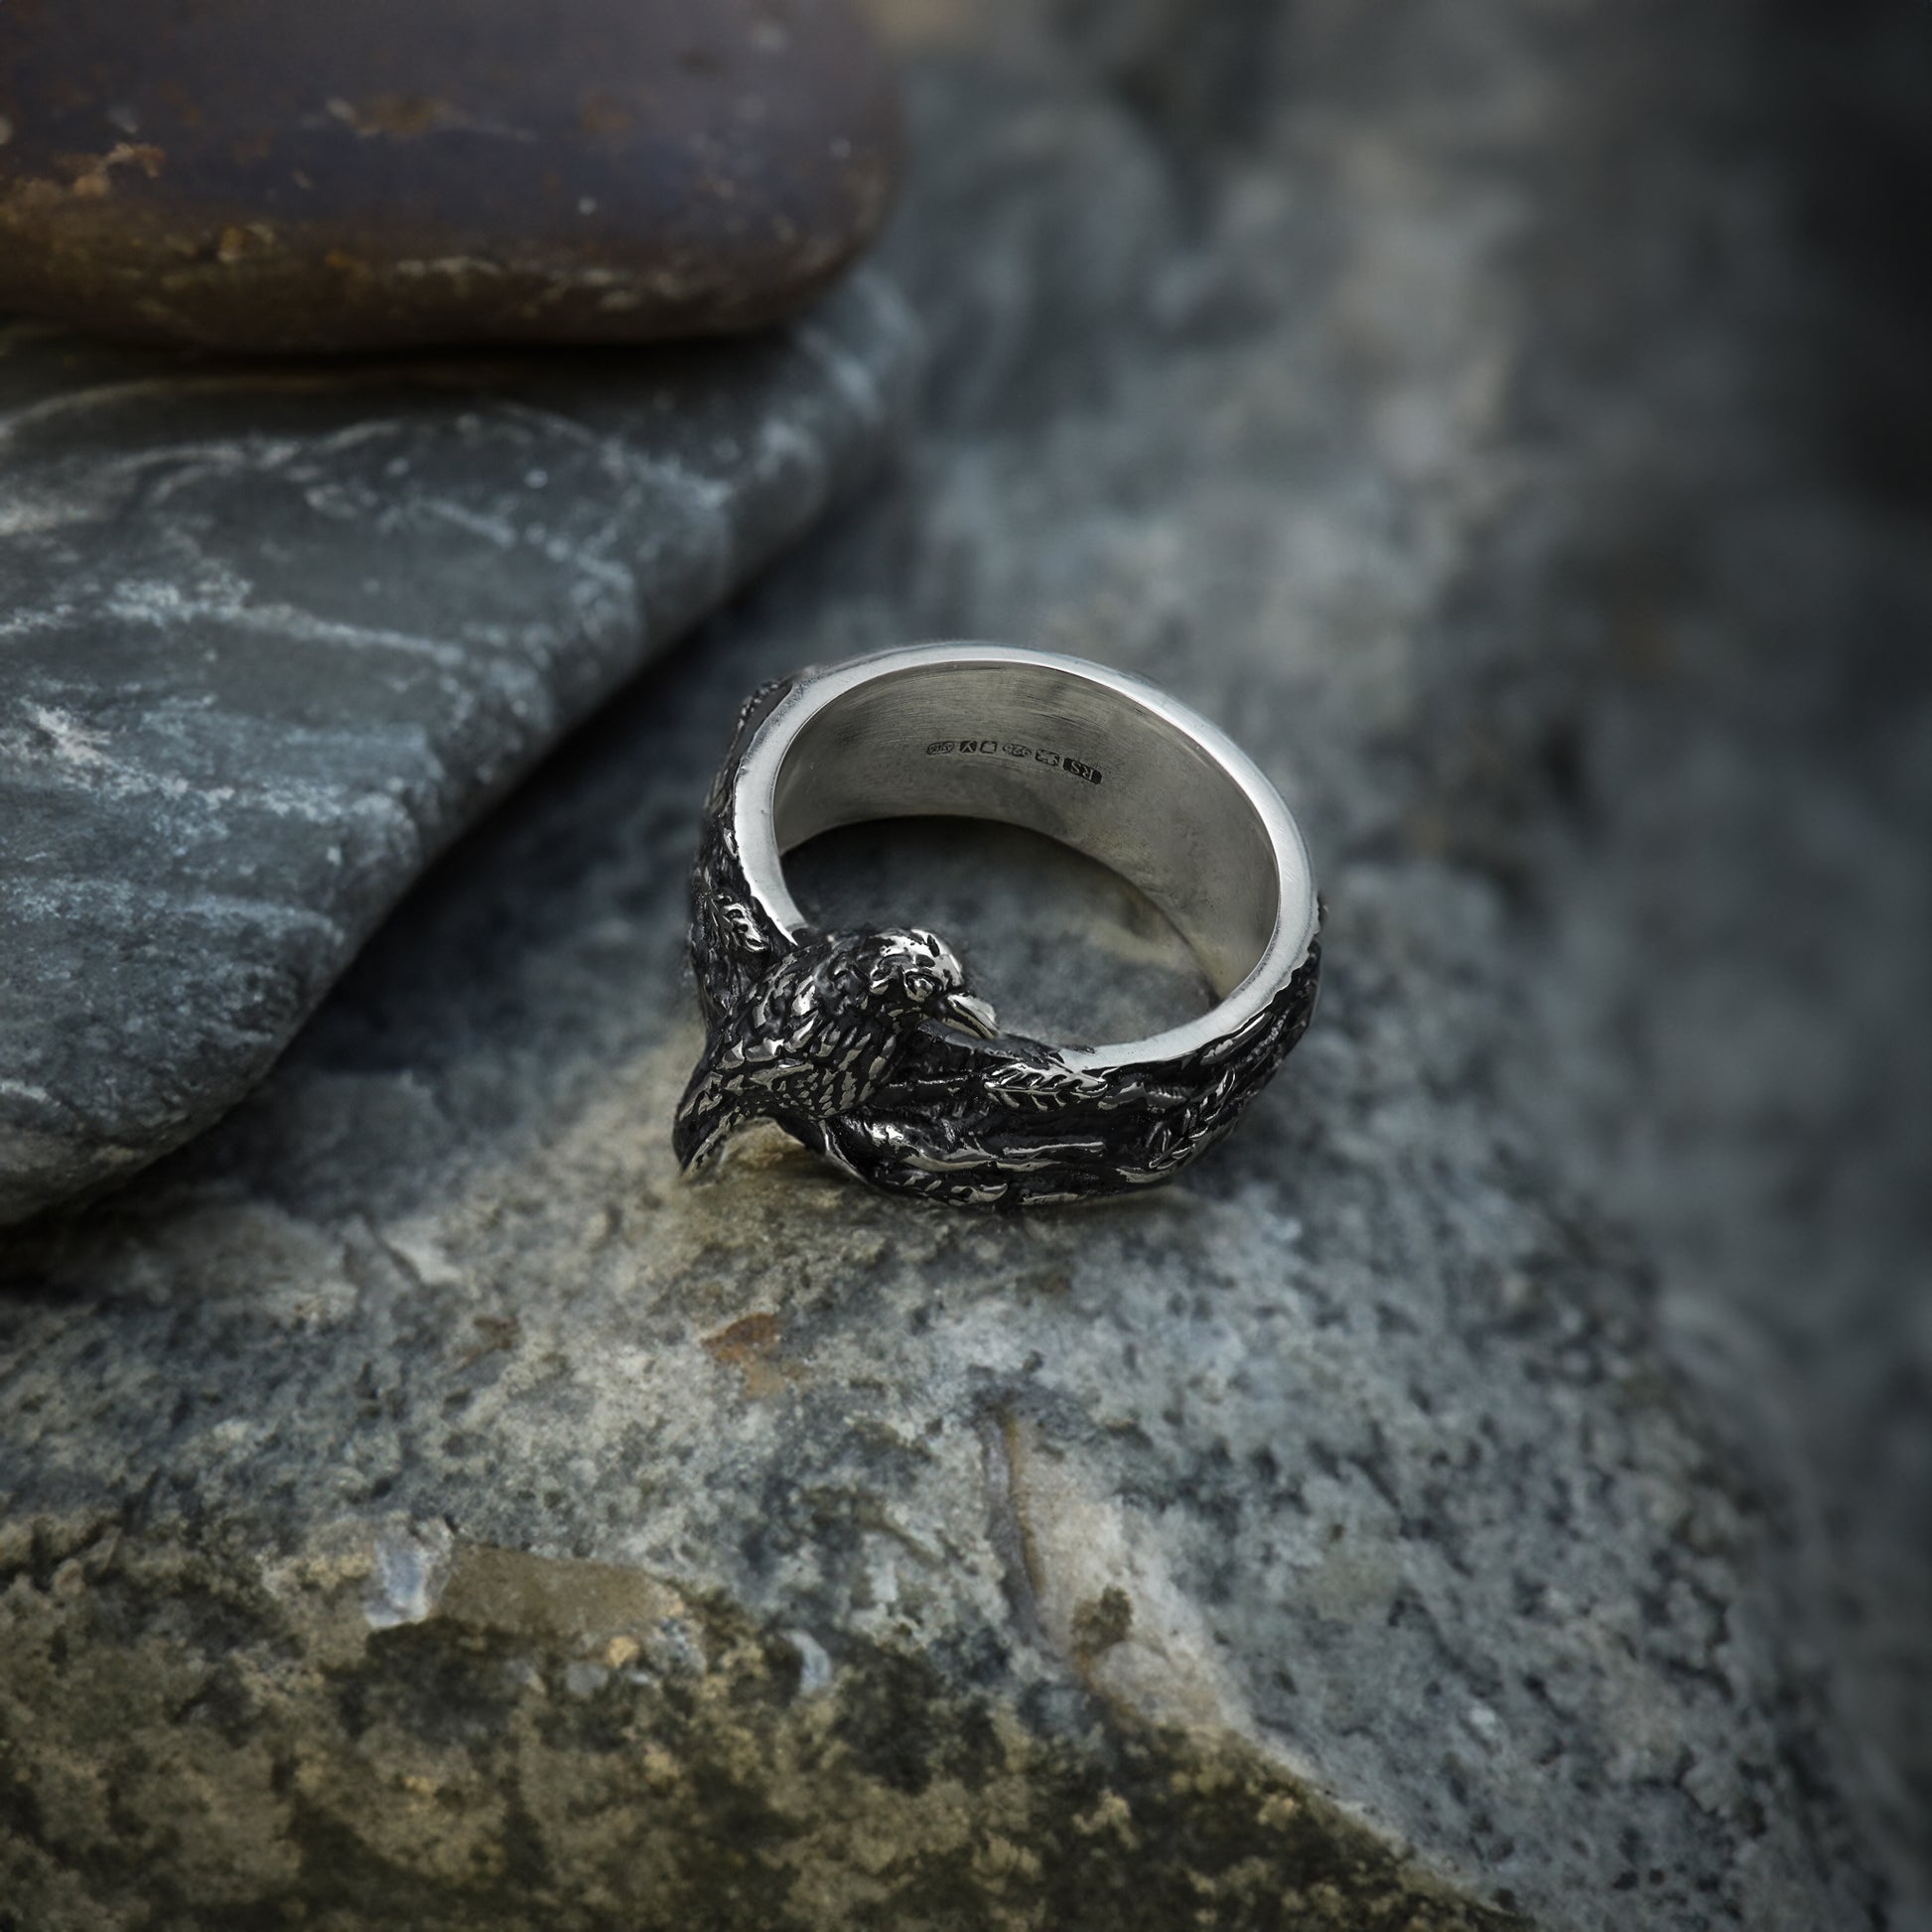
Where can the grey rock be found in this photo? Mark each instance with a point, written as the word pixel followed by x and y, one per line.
pixel 268 641
pixel 419 1507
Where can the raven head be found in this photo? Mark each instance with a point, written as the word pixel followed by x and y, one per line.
pixel 912 974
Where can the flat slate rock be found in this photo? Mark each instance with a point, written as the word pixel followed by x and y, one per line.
pixel 363 175
pixel 268 641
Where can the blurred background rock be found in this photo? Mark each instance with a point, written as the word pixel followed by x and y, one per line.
pixel 268 179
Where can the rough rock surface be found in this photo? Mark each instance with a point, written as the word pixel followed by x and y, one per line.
pixel 268 641
pixel 275 178
pixel 422 1509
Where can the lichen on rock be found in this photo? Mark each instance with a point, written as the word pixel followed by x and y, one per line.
pixel 540 1740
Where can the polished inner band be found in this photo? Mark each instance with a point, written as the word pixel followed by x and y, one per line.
pixel 1102 761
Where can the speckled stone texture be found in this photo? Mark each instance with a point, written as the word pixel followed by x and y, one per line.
pixel 422 1509
pixel 272 177
pixel 269 639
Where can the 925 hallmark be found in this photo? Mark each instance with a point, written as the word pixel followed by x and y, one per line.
pixel 984 746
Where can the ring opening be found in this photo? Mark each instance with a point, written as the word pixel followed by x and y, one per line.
pixel 1027 744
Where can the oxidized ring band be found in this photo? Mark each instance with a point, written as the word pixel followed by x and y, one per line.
pixel 868 1045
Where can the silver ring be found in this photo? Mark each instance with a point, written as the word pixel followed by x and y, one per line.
pixel 869 1046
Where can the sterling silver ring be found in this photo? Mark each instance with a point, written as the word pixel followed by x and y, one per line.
pixel 869 1046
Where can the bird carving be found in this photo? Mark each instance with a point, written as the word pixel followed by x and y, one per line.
pixel 821 1032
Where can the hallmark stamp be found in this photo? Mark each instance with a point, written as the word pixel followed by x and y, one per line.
pixel 1012 749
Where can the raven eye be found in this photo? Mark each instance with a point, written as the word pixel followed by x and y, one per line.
pixel 918 987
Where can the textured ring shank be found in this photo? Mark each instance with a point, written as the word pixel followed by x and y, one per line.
pixel 1105 762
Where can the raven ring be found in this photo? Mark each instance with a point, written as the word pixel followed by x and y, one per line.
pixel 869 1046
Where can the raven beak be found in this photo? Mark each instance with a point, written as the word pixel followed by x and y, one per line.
pixel 970 1015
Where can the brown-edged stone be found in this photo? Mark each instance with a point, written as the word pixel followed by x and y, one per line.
pixel 261 176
